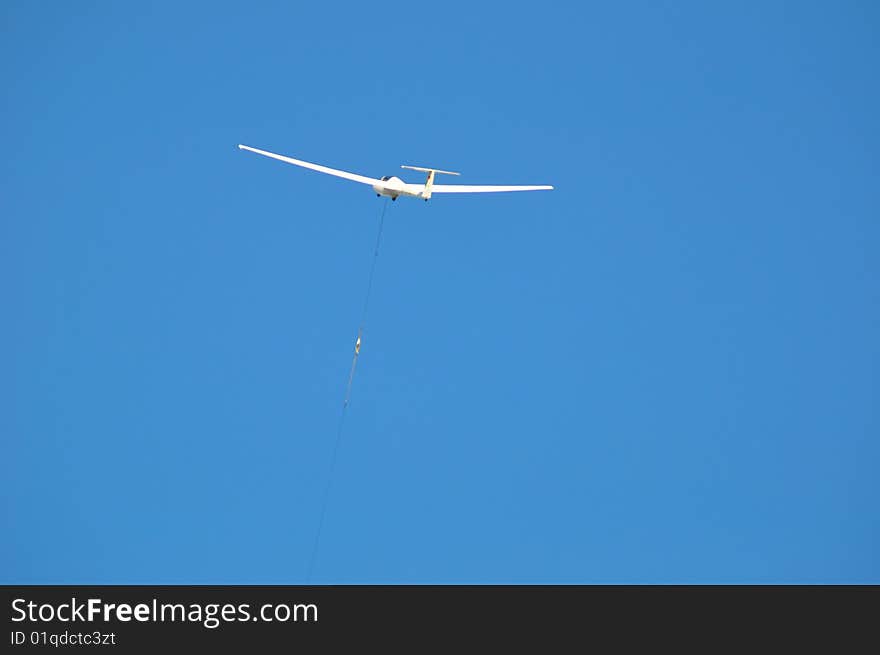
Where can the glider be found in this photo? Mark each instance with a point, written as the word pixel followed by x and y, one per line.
pixel 394 187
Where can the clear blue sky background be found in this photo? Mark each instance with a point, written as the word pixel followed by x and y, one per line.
pixel 666 370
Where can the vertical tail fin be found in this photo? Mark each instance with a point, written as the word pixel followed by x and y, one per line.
pixel 426 194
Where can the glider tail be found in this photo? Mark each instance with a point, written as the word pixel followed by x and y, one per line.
pixel 429 182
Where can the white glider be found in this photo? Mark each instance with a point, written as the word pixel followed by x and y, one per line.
pixel 394 187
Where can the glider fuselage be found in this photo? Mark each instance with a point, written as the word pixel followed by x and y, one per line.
pixel 393 187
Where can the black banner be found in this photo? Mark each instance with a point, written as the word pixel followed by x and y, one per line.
pixel 152 618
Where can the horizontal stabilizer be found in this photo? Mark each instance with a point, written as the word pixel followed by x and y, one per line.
pixel 430 170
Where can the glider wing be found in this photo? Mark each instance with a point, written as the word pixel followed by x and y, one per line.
pixel 470 188
pixel 315 167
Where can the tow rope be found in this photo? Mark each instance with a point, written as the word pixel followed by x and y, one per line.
pixel 347 398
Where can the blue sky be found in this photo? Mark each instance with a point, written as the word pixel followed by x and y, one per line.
pixel 666 370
